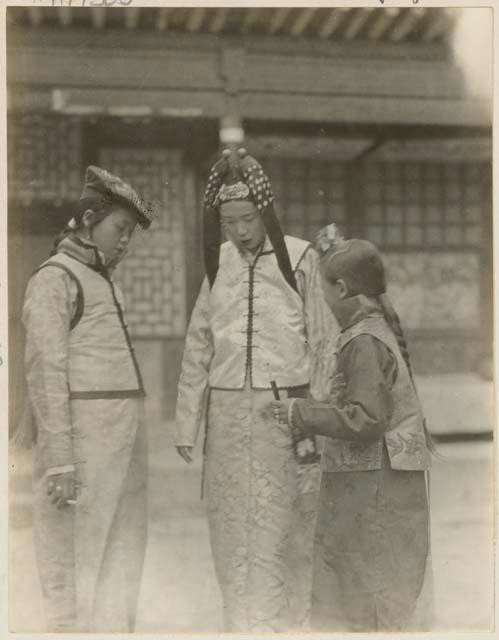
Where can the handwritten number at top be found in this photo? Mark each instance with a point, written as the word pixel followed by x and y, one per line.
pixel 91 3
pixel 413 1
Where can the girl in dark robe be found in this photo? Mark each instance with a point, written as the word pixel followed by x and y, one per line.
pixel 372 547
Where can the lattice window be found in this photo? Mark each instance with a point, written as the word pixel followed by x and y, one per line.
pixel 308 193
pixel 423 205
pixel 153 274
pixel 44 158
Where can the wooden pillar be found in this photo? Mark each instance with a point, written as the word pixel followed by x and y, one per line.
pixel 355 181
pixel 486 364
pixel 231 130
pixel 232 70
pixel 356 185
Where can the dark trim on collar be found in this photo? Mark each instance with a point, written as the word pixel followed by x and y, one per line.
pixel 305 251
pixel 101 272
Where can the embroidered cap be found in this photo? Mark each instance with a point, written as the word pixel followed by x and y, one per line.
pixel 101 183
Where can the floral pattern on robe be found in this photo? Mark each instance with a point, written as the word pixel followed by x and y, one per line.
pixel 261 503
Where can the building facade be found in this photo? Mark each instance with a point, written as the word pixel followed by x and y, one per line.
pixel 360 116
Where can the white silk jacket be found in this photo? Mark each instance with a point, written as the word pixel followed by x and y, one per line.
pixel 252 327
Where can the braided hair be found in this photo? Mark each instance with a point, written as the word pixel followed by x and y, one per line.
pixel 393 320
pixel 359 263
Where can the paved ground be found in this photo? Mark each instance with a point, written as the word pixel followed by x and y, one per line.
pixel 457 403
pixel 179 590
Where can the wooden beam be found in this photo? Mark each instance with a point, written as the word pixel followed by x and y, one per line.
pixel 200 44
pixel 250 19
pixel 384 21
pixel 195 19
pixel 300 146
pixel 132 16
pixel 302 21
pixel 218 22
pixel 358 111
pixel 437 149
pixel 311 76
pixel 334 109
pixel 336 17
pixel 279 18
pixel 65 16
pixel 163 19
pixel 98 17
pixel 358 20
pixel 46 57
pixel 89 101
pixel 437 27
pixel 409 20
pixel 35 15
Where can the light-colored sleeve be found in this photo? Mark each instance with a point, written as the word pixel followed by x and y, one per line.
pixel 48 308
pixel 193 384
pixel 321 326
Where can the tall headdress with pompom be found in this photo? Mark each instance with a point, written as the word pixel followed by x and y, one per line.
pixel 238 176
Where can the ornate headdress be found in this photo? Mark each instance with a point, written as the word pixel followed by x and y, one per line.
pixel 238 176
pixel 228 193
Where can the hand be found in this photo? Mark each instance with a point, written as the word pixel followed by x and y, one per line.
pixel 280 411
pixel 61 487
pixel 185 453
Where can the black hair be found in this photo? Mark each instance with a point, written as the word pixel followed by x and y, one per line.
pixel 100 206
pixel 359 264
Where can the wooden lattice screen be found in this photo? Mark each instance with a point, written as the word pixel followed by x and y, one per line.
pixel 398 205
pixel 421 205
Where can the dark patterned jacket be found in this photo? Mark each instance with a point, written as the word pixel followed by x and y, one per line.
pixel 373 401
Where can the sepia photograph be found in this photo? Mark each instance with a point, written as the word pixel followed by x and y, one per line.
pixel 250 346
